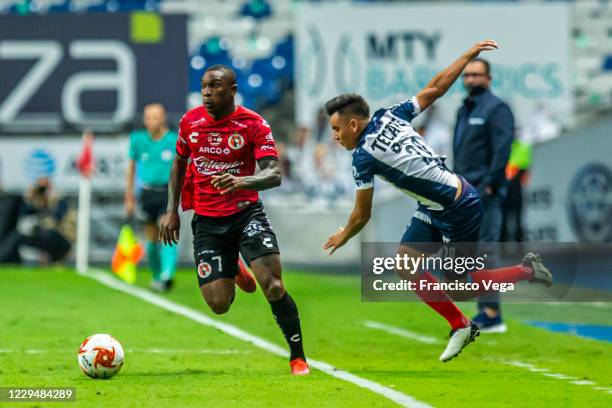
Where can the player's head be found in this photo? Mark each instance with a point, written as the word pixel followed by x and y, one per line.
pixel 154 117
pixel 348 116
pixel 477 76
pixel 218 90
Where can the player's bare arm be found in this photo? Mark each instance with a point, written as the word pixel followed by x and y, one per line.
pixel 357 220
pixel 445 79
pixel 170 222
pixel 267 176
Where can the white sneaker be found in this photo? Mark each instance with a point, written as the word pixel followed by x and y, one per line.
pixel 459 338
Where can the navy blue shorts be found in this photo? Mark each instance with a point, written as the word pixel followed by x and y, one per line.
pixel 458 223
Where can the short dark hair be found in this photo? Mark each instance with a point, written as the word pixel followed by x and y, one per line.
pixel 485 63
pixel 225 69
pixel 351 103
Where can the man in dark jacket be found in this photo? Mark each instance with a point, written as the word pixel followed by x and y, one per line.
pixel 481 147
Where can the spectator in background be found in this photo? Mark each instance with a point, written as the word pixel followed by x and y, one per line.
pixel 328 161
pixel 152 150
pixel 301 155
pixel 46 222
pixel 481 147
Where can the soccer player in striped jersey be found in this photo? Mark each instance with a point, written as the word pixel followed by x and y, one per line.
pixel 449 210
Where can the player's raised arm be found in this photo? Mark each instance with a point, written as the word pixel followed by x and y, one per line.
pixel 358 219
pixel 170 222
pixel 445 79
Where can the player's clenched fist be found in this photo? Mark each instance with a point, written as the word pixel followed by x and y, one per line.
pixel 169 228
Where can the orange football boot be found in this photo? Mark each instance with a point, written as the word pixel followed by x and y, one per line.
pixel 299 366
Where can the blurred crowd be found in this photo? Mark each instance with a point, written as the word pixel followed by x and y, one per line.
pixel 316 169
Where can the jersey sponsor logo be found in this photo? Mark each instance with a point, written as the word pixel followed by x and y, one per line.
pixel 269 137
pixel 235 141
pixel 214 150
pixel 204 269
pixel 214 139
pixel 197 122
pixel 387 136
pixel 208 167
pixel 393 136
pixel 266 147
pixel 193 137
pixel 265 123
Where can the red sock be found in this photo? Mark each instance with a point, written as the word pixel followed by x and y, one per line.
pixel 439 301
pixel 510 274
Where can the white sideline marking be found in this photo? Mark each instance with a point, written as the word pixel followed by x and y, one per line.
pixel 395 396
pixel 146 350
pixel 562 377
pixel 583 382
pixel 178 351
pixel 530 367
pixel 401 332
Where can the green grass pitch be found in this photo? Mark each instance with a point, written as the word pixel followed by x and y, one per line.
pixel 175 362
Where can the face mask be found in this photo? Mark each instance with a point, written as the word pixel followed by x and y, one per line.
pixel 475 90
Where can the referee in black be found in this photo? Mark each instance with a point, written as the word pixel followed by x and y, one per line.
pixel 481 146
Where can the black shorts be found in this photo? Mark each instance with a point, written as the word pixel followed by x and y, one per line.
pixel 218 240
pixel 153 201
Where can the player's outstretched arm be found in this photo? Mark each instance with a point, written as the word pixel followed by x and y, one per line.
pixel 170 222
pixel 445 79
pixel 358 219
pixel 268 176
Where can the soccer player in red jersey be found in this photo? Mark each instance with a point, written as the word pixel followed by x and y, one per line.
pixel 225 155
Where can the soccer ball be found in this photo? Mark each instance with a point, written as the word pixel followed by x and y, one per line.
pixel 101 356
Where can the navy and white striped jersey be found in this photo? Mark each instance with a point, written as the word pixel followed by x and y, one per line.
pixel 390 148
